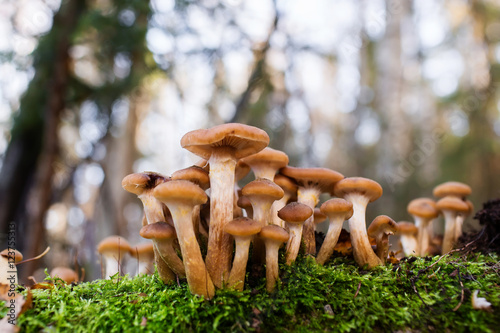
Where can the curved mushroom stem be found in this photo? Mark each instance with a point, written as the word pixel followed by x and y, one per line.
pixel 309 196
pixel 382 247
pixel 293 244
pixel 220 246
pixel 165 273
pixel 362 250
pixel 237 275
pixel 449 231
pixel 168 254
pixel 331 238
pixel 272 269
pixel 277 205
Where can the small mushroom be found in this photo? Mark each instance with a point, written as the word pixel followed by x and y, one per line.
pixel 337 210
pixel 181 196
pixel 8 270
pixel 163 236
pixel 64 273
pixel 424 211
pixel 266 163
pixel 222 146
pixel 360 191
pixel 380 229
pixel 294 214
pixel 407 233
pixel 290 192
pixel 243 230
pixel 451 207
pixel 453 189
pixel 144 254
pixel 273 237
pixel 113 249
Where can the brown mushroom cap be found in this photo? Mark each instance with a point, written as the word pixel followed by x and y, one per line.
pixel 158 230
pixel 452 188
pixel 180 190
pixel 66 274
pixel 17 255
pixel 337 205
pixel 382 224
pixel 243 139
pixel 274 232
pixel 286 183
pixel 423 207
pixel 268 157
pixel 242 226
pixel 263 187
pixel 453 203
pixel 114 244
pixel 320 178
pixel 136 183
pixel 319 216
pixel 194 174
pixel 407 228
pixel 295 212
pixel 244 202
pixel 242 169
pixel 367 187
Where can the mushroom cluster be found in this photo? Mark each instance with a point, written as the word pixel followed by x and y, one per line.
pixel 202 208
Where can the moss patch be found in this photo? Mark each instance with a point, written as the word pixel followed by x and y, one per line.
pixel 336 297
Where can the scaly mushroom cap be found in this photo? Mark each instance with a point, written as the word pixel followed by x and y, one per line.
pixel 143 251
pixel 320 178
pixel 17 255
pixel 158 230
pixel 180 190
pixel 268 158
pixel 262 188
pixel 382 224
pixel 367 187
pixel 66 274
pixel 453 203
pixel 407 228
pixel 337 206
pixel 244 140
pixel 114 244
pixel 136 183
pixel 242 226
pixel 423 207
pixel 274 233
pixel 295 212
pixel 194 174
pixel 452 188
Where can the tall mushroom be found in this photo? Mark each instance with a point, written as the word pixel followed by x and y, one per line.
pixel 294 214
pixel 451 207
pixel 181 196
pixel 113 249
pixel 312 182
pixel 360 191
pixel 222 146
pixel 338 210
pixel 243 230
pixel 380 229
pixel 273 237
pixel 424 211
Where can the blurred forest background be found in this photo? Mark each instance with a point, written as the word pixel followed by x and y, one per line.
pixel 402 92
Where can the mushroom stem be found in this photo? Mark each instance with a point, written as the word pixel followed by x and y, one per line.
pixel 112 265
pixel 220 247
pixel 237 275
pixel 164 271
pixel 277 205
pixel 293 244
pixel 170 257
pixel 309 196
pixel 272 269
pixel 362 250
pixel 449 230
pixel 409 245
pixel 459 222
pixel 423 235
pixel 331 238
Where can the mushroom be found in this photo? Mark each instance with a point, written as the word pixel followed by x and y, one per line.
pixel 243 230
pixel 337 210
pixel 294 214
pixel 424 211
pixel 163 236
pixel 145 255
pixel 273 237
pixel 266 163
pixel 242 169
pixel 64 273
pixel 222 146
pixel 380 229
pixel 290 192
pixel 244 203
pixel 312 182
pixel 181 196
pixel 407 233
pixel 113 249
pixel 451 207
pixel 461 218
pixel 453 189
pixel 360 191
pixel 8 269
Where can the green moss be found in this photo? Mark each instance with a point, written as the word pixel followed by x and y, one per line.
pixel 336 297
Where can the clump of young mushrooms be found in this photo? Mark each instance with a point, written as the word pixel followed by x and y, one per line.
pixel 276 208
